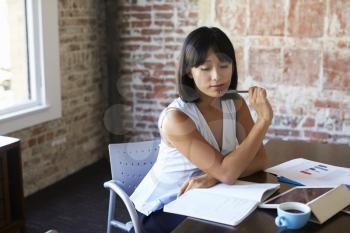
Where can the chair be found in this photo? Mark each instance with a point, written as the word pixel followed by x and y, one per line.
pixel 129 162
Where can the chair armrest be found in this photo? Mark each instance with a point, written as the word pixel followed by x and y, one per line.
pixel 112 184
pixel 128 203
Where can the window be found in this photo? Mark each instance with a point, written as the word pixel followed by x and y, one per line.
pixel 29 63
pixel 14 88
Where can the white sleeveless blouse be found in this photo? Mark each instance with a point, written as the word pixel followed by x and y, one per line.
pixel 171 169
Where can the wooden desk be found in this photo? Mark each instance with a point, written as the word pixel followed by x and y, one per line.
pixel 11 187
pixel 263 220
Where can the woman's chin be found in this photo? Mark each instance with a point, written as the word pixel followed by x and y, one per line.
pixel 218 93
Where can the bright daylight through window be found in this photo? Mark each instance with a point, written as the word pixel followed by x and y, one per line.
pixel 30 90
pixel 14 80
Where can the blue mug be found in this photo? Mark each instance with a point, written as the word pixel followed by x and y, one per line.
pixel 292 215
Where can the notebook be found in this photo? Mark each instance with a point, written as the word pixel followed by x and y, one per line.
pixel 226 204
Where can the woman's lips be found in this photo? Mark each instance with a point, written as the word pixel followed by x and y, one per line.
pixel 217 87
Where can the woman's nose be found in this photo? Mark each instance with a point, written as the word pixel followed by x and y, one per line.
pixel 215 76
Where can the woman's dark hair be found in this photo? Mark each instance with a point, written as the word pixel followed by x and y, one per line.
pixel 194 53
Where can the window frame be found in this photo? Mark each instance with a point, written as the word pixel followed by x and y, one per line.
pixel 44 69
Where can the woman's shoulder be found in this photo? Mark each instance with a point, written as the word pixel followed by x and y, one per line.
pixel 180 104
pixel 176 111
pixel 175 123
pixel 177 116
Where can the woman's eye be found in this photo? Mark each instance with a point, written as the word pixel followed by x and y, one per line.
pixel 205 68
pixel 224 66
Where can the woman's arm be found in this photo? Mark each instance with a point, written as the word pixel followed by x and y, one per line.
pixel 244 124
pixel 180 131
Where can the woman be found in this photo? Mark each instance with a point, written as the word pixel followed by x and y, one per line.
pixel 205 139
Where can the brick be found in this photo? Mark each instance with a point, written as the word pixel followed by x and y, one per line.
pixel 163 56
pixel 308 123
pixel 343 45
pixel 159 88
pixel 284 132
pixel 180 31
pixel 193 15
pixel 265 65
pixel 339 14
pixel 236 11
pixel 336 69
pixel 153 126
pixel 139 16
pixel 306 18
pixel 141 24
pixel 151 31
pixel 131 47
pixel 38 130
pixel 49 136
pixel 164 23
pixel 160 16
pixel 73 47
pixel 31 142
pixel 153 65
pixel 173 47
pixel 317 136
pixel 153 80
pixel 169 39
pixel 141 125
pixel 162 73
pixel 266 17
pixel 301 67
pixel 147 118
pixel 164 7
pixel 41 139
pixel 326 104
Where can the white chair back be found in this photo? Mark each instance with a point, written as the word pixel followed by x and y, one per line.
pixel 130 162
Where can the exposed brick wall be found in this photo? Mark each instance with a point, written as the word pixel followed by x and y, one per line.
pixel 302 58
pixel 299 50
pixel 151 33
pixel 55 149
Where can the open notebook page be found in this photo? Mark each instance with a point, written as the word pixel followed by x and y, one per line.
pixel 224 209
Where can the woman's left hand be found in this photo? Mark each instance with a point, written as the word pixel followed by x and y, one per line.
pixel 203 181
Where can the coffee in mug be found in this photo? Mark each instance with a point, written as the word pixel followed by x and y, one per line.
pixel 294 211
pixel 292 215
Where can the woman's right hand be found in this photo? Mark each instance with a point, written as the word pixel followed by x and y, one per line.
pixel 258 100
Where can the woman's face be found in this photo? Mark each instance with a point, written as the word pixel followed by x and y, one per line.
pixel 213 77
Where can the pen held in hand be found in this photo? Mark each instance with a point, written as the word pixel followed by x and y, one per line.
pixel 236 91
pixel 233 94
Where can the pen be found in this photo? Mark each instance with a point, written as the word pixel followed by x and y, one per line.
pixel 288 181
pixel 236 91
pixel 233 94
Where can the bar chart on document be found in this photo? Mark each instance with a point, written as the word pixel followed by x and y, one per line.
pixel 309 172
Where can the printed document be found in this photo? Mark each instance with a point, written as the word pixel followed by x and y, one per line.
pixel 313 173
pixel 227 204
